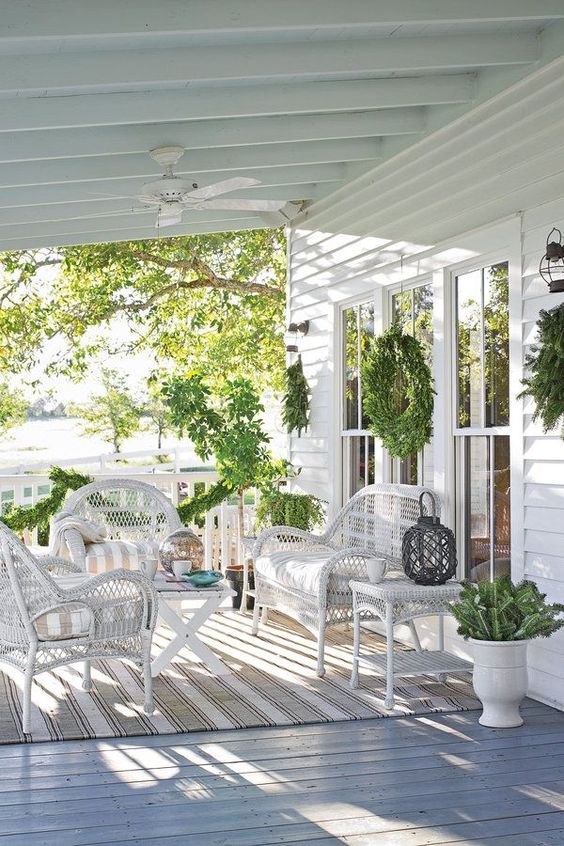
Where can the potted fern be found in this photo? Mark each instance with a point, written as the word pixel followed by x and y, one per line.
pixel 499 619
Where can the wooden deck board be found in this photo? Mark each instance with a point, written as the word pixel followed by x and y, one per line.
pixel 425 781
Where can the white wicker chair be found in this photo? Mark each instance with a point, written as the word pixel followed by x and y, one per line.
pixel 307 576
pixel 129 510
pixel 45 624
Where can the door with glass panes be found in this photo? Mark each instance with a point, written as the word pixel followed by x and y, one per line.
pixel 481 429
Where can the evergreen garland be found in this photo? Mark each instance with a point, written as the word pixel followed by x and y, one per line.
pixel 21 517
pixel 295 409
pixel 502 611
pixel 193 509
pixel 398 392
pixel 545 363
pixel 282 508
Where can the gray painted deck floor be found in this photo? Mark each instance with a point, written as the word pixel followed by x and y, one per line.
pixel 417 780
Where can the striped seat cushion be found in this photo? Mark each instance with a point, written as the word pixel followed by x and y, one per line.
pixel 67 621
pixel 103 557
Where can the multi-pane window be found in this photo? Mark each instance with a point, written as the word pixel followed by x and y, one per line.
pixel 413 310
pixel 482 419
pixel 358 443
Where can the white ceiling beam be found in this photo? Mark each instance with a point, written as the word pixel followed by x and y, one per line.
pixel 75 192
pixel 40 113
pixel 114 168
pixel 65 19
pixel 205 134
pixel 38 238
pixel 131 70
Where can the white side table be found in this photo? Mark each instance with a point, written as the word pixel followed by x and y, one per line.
pixel 185 611
pixel 398 599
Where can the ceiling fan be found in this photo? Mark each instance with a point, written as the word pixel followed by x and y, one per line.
pixel 171 195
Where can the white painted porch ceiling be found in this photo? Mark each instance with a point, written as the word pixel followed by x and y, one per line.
pixel 304 95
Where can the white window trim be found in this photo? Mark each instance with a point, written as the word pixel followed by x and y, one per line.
pixel 512 255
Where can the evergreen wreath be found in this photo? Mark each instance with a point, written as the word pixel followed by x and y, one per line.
pixel 545 363
pixel 295 405
pixel 398 388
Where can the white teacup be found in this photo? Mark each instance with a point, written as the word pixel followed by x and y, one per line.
pixel 181 568
pixel 376 568
pixel 149 567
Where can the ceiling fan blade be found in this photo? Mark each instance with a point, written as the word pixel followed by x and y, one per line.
pixel 251 205
pixel 222 187
pixel 168 218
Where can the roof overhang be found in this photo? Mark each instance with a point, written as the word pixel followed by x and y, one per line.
pixel 305 96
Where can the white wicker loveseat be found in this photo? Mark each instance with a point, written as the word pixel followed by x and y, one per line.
pixel 52 614
pixel 136 516
pixel 307 576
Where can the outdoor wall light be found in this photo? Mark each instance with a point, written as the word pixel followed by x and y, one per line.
pixel 292 332
pixel 551 266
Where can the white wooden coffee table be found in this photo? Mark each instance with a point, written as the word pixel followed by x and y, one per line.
pixel 185 612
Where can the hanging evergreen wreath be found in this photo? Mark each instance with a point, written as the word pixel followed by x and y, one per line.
pixel 545 363
pixel 295 405
pixel 398 392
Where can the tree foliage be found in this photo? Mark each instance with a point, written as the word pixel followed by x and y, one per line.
pixel 13 408
pixel 225 423
pixel 112 415
pixel 214 301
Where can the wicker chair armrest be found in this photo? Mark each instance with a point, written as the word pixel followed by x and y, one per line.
pixel 57 566
pixel 120 584
pixel 76 547
pixel 280 538
pixel 346 562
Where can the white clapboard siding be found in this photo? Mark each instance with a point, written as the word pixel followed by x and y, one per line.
pixel 469 189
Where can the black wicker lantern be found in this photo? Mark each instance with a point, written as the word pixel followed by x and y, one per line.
pixel 429 550
pixel 551 266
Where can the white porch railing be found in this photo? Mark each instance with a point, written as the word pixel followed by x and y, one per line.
pixel 220 531
pixel 116 463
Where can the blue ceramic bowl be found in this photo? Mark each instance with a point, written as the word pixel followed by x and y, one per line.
pixel 203 578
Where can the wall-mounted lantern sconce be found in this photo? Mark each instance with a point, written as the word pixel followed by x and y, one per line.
pixel 551 266
pixel 292 332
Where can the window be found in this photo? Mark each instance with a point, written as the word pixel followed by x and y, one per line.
pixel 357 442
pixel 482 420
pixel 413 310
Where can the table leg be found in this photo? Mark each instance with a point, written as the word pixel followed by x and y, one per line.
pixel 187 635
pixel 356 649
pixel 389 702
pixel 414 635
pixel 442 676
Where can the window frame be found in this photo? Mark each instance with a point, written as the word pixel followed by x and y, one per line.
pixel 461 433
pixel 344 434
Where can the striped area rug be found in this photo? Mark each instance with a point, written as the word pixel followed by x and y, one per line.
pixel 273 683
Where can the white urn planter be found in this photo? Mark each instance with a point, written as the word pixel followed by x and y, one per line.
pixel 500 680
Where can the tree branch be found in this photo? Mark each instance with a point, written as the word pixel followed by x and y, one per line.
pixel 207 278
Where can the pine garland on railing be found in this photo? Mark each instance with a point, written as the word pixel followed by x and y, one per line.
pixel 21 517
pixel 193 508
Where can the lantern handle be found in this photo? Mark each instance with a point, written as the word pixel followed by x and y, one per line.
pixel 432 498
pixel 554 229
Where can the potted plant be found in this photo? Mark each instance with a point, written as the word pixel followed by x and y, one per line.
pixel 499 619
pixel 285 508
